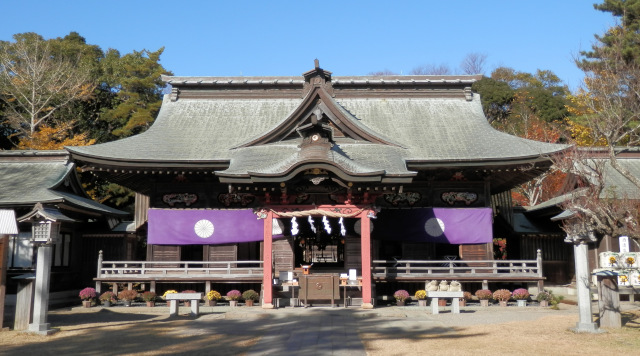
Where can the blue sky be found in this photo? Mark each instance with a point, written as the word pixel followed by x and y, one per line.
pixel 271 37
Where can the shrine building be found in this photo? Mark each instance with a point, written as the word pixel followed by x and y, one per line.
pixel 322 173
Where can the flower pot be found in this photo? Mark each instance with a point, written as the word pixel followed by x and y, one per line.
pixel 503 303
pixel 86 303
pixel 233 303
pixel 127 303
pixel 211 303
pixel 462 302
pixel 106 303
pixel 442 302
pixel 422 302
pixel 151 304
pixel 544 303
pixel 522 302
pixel 400 303
pixel 484 302
pixel 249 302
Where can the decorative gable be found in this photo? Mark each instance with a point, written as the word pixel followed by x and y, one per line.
pixel 319 117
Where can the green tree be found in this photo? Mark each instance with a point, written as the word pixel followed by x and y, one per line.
pixel 123 97
pixel 626 35
pixel 496 97
pixel 132 86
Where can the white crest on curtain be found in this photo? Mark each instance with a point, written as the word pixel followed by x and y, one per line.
pixel 343 231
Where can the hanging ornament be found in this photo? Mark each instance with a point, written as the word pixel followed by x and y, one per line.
pixel 294 226
pixel 327 227
pixel 312 224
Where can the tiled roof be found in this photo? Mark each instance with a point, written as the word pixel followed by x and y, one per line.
pixel 354 159
pixel 616 184
pixel 221 123
pixel 431 129
pixel 34 177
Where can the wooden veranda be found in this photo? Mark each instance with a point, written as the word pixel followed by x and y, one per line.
pixel 208 272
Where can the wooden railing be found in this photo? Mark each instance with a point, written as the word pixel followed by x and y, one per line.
pixel 458 268
pixel 135 270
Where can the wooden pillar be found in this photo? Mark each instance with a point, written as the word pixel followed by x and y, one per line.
pixel 4 258
pixel 365 235
pixel 267 263
pixel 609 301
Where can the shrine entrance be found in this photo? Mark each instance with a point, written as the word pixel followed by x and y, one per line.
pixel 321 242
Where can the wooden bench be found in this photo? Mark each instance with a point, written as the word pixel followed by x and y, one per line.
pixel 455 303
pixel 174 299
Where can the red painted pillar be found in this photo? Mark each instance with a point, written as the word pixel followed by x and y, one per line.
pixel 365 236
pixel 267 263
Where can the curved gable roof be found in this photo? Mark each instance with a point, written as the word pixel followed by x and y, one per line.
pixel 240 127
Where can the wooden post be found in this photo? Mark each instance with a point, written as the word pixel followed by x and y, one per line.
pixel 267 263
pixel 26 287
pixel 4 244
pixel 609 301
pixel 365 248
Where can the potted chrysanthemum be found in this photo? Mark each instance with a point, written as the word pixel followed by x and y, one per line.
pixel 233 296
pixel 421 296
pixel 250 296
pixel 87 296
pixel 484 295
pixel 401 296
pixel 107 298
pixel 544 298
pixel 466 296
pixel 212 298
pixel 150 298
pixel 521 295
pixel 127 296
pixel 502 296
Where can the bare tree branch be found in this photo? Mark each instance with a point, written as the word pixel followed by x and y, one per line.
pixel 473 63
pixel 35 83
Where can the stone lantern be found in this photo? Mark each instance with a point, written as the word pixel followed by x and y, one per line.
pixel 580 236
pixel 45 224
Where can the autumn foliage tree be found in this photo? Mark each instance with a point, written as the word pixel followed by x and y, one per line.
pixel 65 92
pixel 54 138
pixel 36 82
pixel 607 119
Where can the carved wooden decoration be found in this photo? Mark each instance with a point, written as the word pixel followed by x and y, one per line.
pixel 403 198
pixel 180 198
pixel 242 199
pixel 463 197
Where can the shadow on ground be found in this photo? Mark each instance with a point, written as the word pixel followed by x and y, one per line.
pixel 313 331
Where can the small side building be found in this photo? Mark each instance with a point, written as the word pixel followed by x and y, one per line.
pixel 49 178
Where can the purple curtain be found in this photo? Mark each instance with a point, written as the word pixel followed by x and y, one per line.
pixel 203 227
pixel 440 225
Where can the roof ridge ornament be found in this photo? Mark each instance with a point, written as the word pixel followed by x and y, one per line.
pixel 317 77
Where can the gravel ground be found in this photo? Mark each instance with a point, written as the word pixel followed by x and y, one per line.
pixel 391 330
